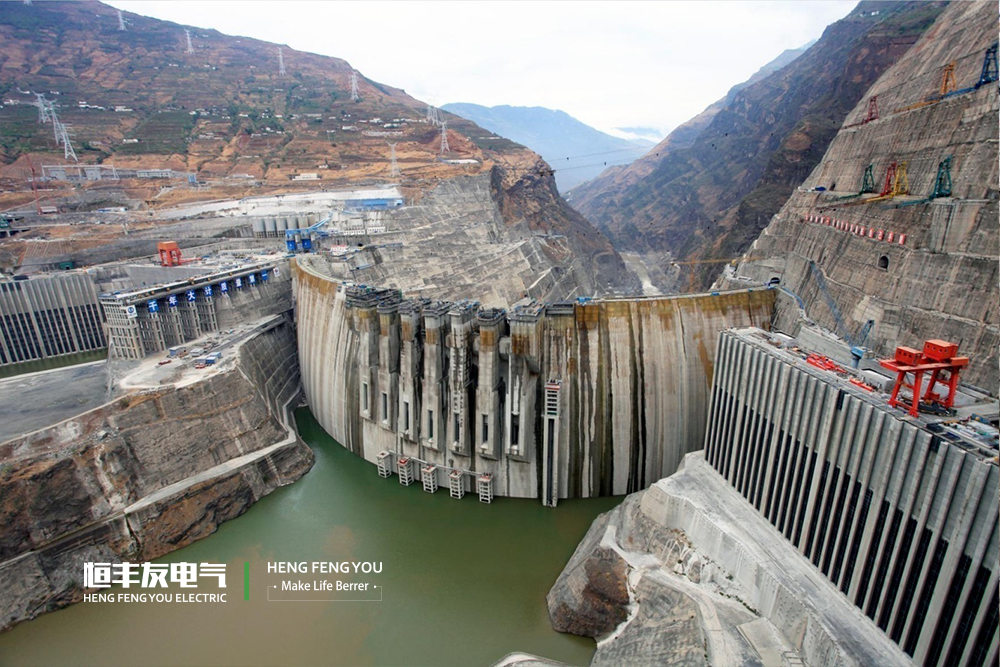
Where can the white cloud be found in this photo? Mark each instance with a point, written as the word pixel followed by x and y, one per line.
pixel 609 64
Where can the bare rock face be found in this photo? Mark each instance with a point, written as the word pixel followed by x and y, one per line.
pixel 144 475
pixel 916 266
pixel 709 197
pixel 590 598
pixel 666 630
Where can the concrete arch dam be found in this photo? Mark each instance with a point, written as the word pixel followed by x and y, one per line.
pixel 550 401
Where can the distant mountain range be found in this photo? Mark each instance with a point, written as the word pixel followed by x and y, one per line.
pixel 575 150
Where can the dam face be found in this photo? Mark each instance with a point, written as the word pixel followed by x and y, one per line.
pixel 553 401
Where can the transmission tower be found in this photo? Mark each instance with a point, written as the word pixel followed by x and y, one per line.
pixel 187 33
pixel 394 171
pixel 43 108
pixel 354 87
pixel 63 138
pixel 281 63
pixel 432 115
pixel 121 21
pixel 444 138
pixel 46 113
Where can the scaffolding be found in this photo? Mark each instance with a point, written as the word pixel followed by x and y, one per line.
pixel 456 485
pixel 942 183
pixel 485 487
pixel 868 181
pixel 384 463
pixel 405 471
pixel 428 475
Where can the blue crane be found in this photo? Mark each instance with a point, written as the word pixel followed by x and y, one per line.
pixel 857 342
pixel 305 236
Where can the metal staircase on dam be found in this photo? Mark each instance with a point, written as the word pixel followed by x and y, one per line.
pixel 404 468
pixel 485 488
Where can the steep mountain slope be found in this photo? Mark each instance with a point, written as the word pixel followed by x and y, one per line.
pixel 917 266
pixel 575 150
pixel 710 199
pixel 600 191
pixel 223 112
pixel 138 96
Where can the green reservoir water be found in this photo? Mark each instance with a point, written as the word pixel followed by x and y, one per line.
pixel 462 583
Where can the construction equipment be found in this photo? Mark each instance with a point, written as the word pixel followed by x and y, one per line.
pixel 301 240
pixel 989 74
pixel 858 344
pixel 817 274
pixel 867 184
pixel 948 84
pixel 170 254
pixel 942 183
pixel 868 180
pixel 872 109
pixel 939 359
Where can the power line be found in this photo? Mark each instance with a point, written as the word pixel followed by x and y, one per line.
pixel 594 164
pixel 618 150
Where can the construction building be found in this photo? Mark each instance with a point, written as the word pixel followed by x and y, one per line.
pixel 49 316
pixel 898 511
pixel 152 319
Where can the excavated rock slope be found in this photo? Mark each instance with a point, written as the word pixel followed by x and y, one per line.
pixel 685 573
pixel 919 268
pixel 711 198
pixel 144 475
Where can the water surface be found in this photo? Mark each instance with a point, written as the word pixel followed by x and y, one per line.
pixel 464 583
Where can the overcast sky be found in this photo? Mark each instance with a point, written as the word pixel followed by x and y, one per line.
pixel 609 64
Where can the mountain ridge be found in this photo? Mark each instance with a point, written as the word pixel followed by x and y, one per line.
pixel 709 198
pixel 575 150
pixel 222 112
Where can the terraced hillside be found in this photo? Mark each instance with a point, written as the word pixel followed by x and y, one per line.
pixel 224 113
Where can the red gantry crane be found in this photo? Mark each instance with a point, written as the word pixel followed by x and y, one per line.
pixel 939 360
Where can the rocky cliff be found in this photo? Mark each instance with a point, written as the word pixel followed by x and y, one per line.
pixel 145 475
pixel 915 255
pixel 709 197
pixel 685 572
pixel 600 191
